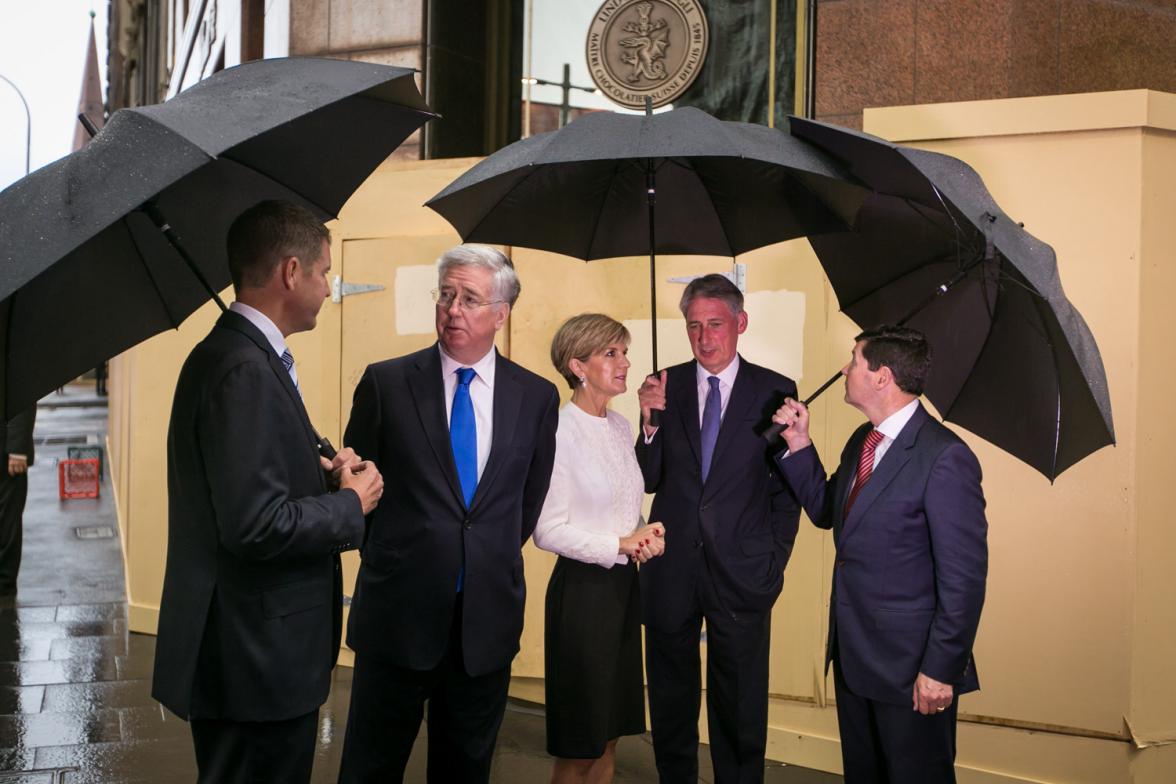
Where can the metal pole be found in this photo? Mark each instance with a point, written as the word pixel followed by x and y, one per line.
pixel 566 105
pixel 28 122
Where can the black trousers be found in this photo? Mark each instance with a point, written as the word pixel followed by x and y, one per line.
pixel 253 752
pixel 13 492
pixel 882 743
pixel 736 694
pixel 387 703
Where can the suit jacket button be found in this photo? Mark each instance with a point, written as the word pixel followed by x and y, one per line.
pixel 841 563
pixel 698 544
pixel 467 524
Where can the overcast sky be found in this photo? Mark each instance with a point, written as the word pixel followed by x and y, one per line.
pixel 42 49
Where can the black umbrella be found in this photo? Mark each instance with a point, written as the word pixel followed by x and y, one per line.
pixel 90 254
pixel 1014 361
pixel 589 190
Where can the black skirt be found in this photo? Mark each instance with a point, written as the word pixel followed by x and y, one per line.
pixel 592 653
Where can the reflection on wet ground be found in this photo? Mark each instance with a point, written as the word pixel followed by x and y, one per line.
pixel 75 686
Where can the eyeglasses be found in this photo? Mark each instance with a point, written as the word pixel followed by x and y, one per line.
pixel 467 301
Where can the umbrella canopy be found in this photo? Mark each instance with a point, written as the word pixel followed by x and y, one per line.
pixel 85 273
pixel 723 188
pixel 1015 363
pixel 589 190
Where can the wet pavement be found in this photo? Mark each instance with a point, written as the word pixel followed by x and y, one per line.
pixel 75 686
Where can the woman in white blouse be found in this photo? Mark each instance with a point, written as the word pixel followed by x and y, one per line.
pixel 592 520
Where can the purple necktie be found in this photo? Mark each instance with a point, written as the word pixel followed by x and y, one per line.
pixel 711 416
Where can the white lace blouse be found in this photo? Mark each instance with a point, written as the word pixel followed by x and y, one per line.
pixel 596 488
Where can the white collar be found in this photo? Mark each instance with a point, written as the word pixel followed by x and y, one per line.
pixel 726 376
pixel 483 368
pixel 892 425
pixel 264 323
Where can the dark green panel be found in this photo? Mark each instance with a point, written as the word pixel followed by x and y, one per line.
pixel 733 83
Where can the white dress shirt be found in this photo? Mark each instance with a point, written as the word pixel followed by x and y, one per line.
pixel 481 394
pixel 268 328
pixel 596 489
pixel 891 426
pixel 726 383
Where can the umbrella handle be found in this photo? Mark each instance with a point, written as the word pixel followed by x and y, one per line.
pixel 324 446
pixel 775 430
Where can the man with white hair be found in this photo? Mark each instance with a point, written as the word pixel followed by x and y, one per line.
pixel 466 441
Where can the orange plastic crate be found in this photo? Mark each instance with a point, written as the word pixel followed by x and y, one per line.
pixel 78 478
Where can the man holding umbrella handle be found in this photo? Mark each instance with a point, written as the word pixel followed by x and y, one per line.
pixel 251 612
pixel 732 521
pixel 907 514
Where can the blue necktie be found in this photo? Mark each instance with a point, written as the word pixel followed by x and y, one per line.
pixel 711 416
pixel 463 435
pixel 288 363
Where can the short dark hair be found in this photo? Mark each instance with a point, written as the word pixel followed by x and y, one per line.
pixel 713 286
pixel 268 232
pixel 902 349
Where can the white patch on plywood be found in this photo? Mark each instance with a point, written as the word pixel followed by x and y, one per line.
pixel 414 305
pixel 775 331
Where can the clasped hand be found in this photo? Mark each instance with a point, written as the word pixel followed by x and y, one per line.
pixel 648 541
pixel 652 397
pixel 794 415
pixel 348 472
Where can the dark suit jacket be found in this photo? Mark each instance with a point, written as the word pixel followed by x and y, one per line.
pixel 251 610
pixel 421 532
pixel 18 436
pixel 912 559
pixel 737 530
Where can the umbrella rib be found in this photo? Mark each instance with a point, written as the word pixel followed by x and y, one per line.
pixel 889 282
pixel 612 177
pixel 718 216
pixel 917 209
pixel 531 169
pixel 1040 302
pixel 150 275
pixel 299 195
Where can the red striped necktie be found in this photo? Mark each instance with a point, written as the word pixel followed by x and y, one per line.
pixel 865 466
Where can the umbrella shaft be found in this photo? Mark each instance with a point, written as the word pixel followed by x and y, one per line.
pixel 157 217
pixel 651 200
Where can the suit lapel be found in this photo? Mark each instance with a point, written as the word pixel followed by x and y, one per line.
pixel 742 396
pixel 428 394
pixel 685 396
pixel 887 469
pixel 242 325
pixel 508 397
pixel 845 473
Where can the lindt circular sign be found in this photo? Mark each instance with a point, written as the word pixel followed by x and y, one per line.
pixel 639 48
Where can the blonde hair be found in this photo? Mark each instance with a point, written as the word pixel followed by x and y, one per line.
pixel 582 336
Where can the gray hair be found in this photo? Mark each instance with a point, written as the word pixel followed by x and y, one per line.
pixel 506 282
pixel 713 286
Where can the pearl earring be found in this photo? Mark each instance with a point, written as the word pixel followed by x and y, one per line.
pixel 583 380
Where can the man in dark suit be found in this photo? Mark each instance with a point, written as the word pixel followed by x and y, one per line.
pixel 467 440
pixel 730 524
pixel 14 489
pixel 250 618
pixel 907 514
